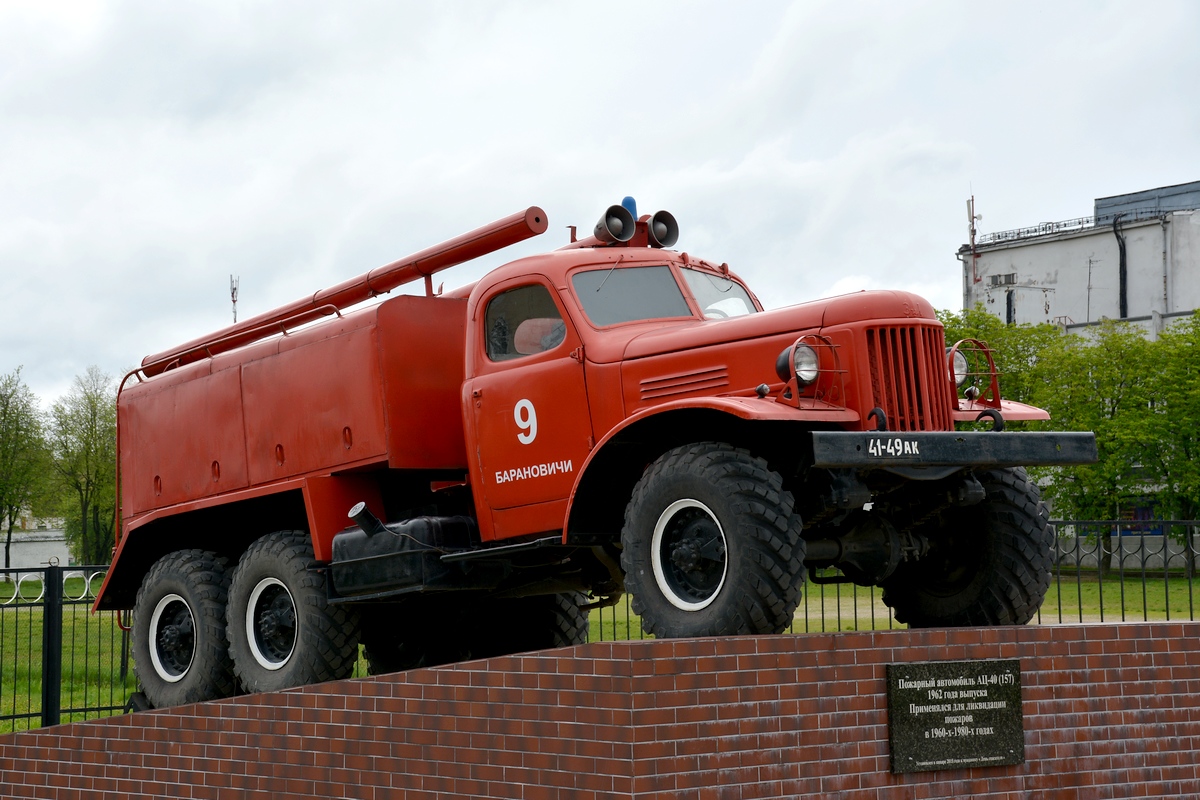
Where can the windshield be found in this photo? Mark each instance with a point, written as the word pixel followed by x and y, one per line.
pixel 614 295
pixel 718 297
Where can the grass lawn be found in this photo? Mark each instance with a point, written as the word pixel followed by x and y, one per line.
pixel 1091 597
pixel 832 607
pixel 1073 598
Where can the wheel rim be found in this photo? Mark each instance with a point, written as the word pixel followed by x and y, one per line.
pixel 271 623
pixel 172 638
pixel 688 554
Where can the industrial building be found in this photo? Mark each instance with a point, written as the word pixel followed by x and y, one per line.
pixel 1136 258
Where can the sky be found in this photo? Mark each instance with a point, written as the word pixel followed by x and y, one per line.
pixel 149 150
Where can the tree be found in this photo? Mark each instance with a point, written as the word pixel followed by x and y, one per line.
pixel 83 439
pixel 1104 384
pixel 1171 430
pixel 22 452
pixel 1107 382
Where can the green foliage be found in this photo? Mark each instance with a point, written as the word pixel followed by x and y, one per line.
pixel 83 439
pixel 23 455
pixel 1140 397
pixel 1102 384
pixel 1169 433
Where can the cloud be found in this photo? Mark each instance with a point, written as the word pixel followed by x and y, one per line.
pixel 148 151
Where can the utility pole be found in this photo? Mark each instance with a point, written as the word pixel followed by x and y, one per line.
pixel 233 291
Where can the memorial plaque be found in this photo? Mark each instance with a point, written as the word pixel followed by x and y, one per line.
pixel 955 714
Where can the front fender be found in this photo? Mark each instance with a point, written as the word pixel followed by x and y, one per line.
pixel 746 408
pixel 622 454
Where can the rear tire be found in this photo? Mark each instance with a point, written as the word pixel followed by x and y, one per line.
pixel 180 652
pixel 989 564
pixel 282 630
pixel 711 546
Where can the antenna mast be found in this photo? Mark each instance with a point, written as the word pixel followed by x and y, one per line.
pixel 233 290
pixel 972 218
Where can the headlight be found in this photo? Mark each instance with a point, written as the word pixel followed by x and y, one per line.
pixel 807 365
pixel 799 361
pixel 783 364
pixel 958 369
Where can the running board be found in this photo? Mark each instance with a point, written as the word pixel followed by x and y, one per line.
pixel 503 551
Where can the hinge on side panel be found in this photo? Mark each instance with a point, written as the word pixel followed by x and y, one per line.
pixel 577 354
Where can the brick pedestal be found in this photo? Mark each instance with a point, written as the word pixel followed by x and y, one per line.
pixel 1110 711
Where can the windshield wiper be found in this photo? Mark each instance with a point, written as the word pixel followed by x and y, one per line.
pixel 610 272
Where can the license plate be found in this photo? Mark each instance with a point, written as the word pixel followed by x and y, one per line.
pixel 892 447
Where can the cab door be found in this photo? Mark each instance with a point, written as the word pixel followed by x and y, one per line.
pixel 526 409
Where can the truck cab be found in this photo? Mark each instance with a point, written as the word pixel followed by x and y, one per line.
pixel 547 375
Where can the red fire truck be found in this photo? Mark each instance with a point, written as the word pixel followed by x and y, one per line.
pixel 467 473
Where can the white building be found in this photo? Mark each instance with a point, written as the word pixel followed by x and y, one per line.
pixel 1136 258
pixel 35 549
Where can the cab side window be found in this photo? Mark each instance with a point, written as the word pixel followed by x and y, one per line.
pixel 522 322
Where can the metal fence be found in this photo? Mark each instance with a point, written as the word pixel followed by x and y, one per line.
pixel 1109 571
pixel 60 662
pixel 1104 571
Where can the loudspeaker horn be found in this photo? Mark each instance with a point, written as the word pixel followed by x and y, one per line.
pixel 616 225
pixel 663 230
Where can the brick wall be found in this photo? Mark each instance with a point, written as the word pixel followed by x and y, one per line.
pixel 1110 711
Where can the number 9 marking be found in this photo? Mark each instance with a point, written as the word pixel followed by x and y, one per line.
pixel 526 419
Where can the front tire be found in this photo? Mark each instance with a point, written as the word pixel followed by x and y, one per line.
pixel 282 630
pixel 989 564
pixel 711 545
pixel 179 648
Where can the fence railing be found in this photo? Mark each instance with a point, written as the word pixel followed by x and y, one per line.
pixel 1109 571
pixel 1077 224
pixel 1104 571
pixel 60 662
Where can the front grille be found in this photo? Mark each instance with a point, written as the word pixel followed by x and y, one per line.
pixel 908 377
